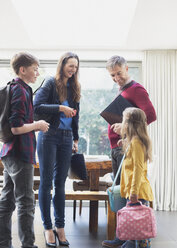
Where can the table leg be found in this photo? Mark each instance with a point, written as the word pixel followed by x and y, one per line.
pixel 111 224
pixel 94 180
pixel 93 218
pixel 94 186
pixel 74 211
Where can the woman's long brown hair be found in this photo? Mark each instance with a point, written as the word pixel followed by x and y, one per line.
pixel 73 81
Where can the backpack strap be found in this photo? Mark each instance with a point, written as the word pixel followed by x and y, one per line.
pixel 119 169
pixel 12 82
pixel 39 87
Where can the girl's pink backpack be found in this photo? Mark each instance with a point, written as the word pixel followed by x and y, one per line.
pixel 136 222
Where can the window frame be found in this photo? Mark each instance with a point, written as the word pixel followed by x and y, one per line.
pixel 5 63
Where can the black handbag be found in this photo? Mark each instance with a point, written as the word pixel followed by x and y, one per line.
pixel 78 168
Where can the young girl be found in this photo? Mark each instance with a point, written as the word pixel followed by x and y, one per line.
pixel 134 183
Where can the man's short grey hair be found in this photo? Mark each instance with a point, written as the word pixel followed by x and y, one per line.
pixel 115 60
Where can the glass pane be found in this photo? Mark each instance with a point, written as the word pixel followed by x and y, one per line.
pixel 98 90
pixel 6 75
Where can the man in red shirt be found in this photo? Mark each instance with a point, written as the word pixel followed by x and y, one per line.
pixel 137 95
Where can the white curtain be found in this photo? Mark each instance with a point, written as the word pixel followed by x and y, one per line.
pixel 160 80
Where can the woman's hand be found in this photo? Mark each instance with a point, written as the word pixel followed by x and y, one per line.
pixel 134 198
pixel 69 112
pixel 75 146
pixel 117 127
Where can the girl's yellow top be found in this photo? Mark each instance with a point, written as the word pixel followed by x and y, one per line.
pixel 134 173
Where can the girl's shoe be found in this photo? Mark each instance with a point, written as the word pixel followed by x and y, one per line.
pixel 62 243
pixel 129 244
pixel 144 243
pixel 115 243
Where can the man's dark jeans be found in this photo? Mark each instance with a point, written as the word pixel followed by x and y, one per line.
pixel 116 155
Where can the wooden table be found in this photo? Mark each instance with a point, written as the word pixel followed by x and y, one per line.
pixel 96 168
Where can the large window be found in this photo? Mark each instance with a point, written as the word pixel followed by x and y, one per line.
pixel 98 90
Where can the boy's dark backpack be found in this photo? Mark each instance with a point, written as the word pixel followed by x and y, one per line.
pixel 5 129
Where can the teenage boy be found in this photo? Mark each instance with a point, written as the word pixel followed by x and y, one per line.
pixel 18 155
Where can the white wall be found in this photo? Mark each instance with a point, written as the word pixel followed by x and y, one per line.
pixel 92 55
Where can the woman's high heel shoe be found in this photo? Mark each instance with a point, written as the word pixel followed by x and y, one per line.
pixel 50 244
pixel 62 243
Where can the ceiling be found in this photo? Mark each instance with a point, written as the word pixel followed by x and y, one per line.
pixel 88 24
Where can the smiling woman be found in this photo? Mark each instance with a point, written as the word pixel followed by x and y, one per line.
pixel 58 97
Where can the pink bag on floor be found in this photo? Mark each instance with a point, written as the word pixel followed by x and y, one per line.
pixel 136 222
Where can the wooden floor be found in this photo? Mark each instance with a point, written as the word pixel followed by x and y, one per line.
pixel 79 237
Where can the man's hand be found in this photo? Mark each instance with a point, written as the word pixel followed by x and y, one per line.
pixel 120 142
pixel 117 128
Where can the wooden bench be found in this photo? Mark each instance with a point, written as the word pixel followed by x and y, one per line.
pixel 93 215
pixel 93 220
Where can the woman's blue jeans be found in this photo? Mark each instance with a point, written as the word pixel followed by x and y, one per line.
pixel 54 151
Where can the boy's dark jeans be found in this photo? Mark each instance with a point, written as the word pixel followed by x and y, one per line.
pixel 17 190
